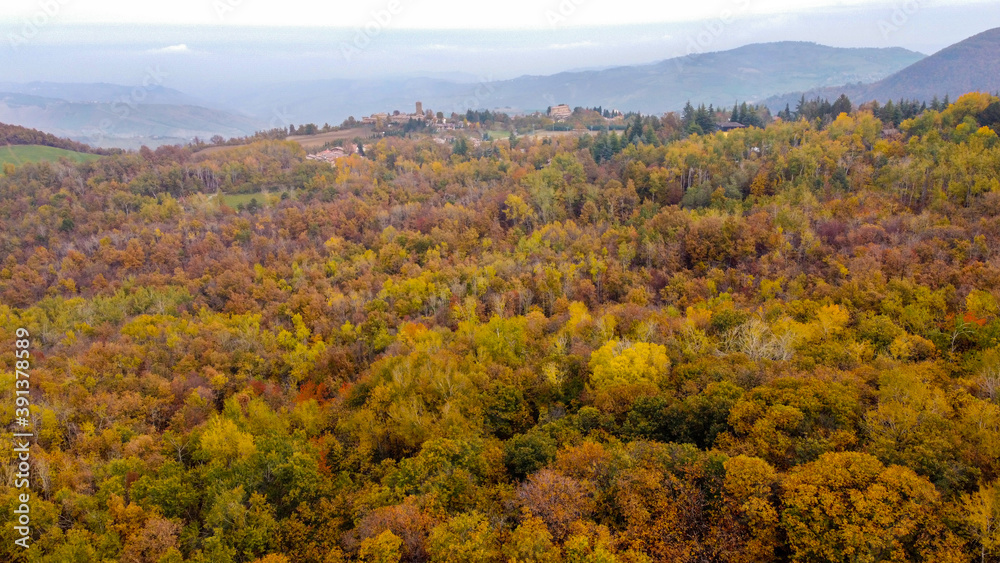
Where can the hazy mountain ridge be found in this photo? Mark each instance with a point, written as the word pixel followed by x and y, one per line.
pixel 968 66
pixel 333 100
pixel 747 73
pixel 752 72
pixel 123 124
pixel 102 92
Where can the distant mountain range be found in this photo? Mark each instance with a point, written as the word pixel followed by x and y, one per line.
pixel 753 72
pixel 96 115
pixel 968 66
pixel 102 93
pixel 721 78
pixel 776 74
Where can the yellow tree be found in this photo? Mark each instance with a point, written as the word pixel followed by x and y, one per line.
pixel 383 548
pixel 848 507
pixel 530 542
pixel 982 516
pixel 749 484
pixel 624 363
pixel 466 538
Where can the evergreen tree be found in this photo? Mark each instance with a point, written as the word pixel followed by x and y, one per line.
pixel 650 137
pixel 705 120
pixel 634 130
pixel 616 143
pixel 825 108
pixel 842 105
pixel 896 115
pixel 800 108
pixel 687 117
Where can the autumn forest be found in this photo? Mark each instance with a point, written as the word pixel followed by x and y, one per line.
pixel 775 344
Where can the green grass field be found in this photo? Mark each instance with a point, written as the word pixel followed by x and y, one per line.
pixel 234 200
pixel 23 154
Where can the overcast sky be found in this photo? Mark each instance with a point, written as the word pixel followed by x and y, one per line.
pixel 424 14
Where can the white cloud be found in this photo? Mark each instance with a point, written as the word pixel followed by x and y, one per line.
pixel 575 45
pixel 173 49
pixel 443 47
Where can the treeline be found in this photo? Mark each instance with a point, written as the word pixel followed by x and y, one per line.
pixel 703 121
pixel 892 114
pixel 895 113
pixel 310 129
pixel 17 135
pixel 818 108
pixel 750 115
pixel 273 134
pixel 603 112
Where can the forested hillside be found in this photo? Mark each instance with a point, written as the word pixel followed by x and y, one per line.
pixel 17 135
pixel 972 65
pixel 777 344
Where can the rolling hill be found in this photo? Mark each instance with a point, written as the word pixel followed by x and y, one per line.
pixel 21 154
pixel 120 124
pixel 972 65
pixel 101 92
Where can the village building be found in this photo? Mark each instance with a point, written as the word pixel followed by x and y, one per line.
pixel 727 126
pixel 399 118
pixel 331 155
pixel 560 112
